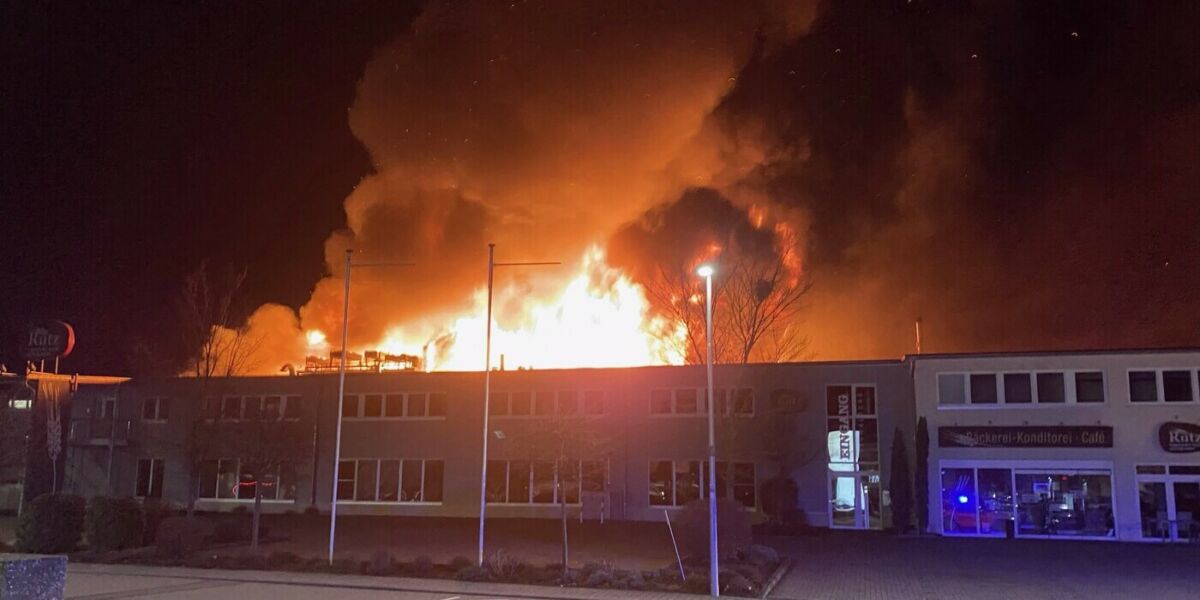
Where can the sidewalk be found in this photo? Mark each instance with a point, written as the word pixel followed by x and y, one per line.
pixel 102 582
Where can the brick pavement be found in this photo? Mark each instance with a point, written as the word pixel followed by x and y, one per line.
pixel 869 566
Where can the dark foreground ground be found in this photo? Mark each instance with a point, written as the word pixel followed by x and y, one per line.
pixel 863 566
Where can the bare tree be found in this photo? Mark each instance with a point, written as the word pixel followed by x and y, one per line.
pixel 264 447
pixel 213 331
pixel 757 305
pixel 566 440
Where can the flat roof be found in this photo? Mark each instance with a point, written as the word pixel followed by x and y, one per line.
pixel 1089 352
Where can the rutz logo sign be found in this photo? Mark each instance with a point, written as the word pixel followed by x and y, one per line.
pixel 48 339
pixel 1179 438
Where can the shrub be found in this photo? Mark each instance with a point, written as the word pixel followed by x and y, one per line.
pixel 598 579
pixel 900 485
pixel 738 586
pixel 52 523
pixel 182 536
pixel 153 513
pixel 459 563
pixel 471 573
pixel 240 509
pixel 113 523
pixel 312 510
pixel 762 556
pixel 733 529
pixel 235 528
pixel 503 567
pixel 284 560
pixel 423 566
pixel 380 563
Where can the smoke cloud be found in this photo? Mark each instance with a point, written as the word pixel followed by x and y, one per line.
pixel 985 167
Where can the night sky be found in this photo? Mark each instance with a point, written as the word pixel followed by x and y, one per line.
pixel 1020 175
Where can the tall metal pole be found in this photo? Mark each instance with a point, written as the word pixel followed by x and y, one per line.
pixel 337 439
pixel 487 391
pixel 713 570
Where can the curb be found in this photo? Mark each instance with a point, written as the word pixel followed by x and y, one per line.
pixel 776 577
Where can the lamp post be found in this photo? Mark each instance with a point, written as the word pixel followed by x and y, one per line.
pixel 487 382
pixel 337 439
pixel 706 271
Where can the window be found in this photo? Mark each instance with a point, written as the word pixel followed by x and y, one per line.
pixel 852 429
pixel 1064 504
pixel 1177 386
pixel 394 405
pixel 149 478
pixel 232 479
pixel 660 402
pixel 521 404
pixel 743 402
pixel 685 402
pixel 373 405
pixel 952 389
pixel 676 483
pixel 568 403
pixel 106 408
pixel 1173 385
pixel 251 408
pixel 291 408
pixel 983 388
pixel 418 405
pixel 349 406
pixel 1018 388
pixel 543 404
pixel 1143 386
pixel 536 482
pixel 390 480
pixel 155 409
pixel 271 408
pixel 1089 386
pixel 231 408
pixel 1051 388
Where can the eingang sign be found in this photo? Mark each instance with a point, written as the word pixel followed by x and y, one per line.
pixel 1179 438
pixel 1033 436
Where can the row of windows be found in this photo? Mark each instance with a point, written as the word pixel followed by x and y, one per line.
pixel 678 482
pixel 252 408
pixel 234 479
pixel 390 480
pixel 694 401
pixel 565 403
pixel 1058 387
pixel 536 482
pixel 415 405
pixel 1165 385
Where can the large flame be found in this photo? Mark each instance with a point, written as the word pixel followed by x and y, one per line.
pixel 599 319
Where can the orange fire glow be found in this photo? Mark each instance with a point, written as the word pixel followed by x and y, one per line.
pixel 599 319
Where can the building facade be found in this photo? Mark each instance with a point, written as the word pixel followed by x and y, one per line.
pixel 1082 445
pixel 634 440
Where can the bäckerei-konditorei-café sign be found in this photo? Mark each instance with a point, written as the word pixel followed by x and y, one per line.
pixel 1031 436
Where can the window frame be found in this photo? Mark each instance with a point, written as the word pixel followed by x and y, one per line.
pixel 1160 386
pixel 151 462
pixel 379 462
pixel 276 476
pixel 725 398
pixel 404 398
pixel 161 412
pixel 725 469
pixel 1069 381
pixel 531 478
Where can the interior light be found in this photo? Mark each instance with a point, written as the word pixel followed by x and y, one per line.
pixel 963 499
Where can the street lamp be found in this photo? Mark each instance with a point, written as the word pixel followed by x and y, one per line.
pixel 487 382
pixel 337 441
pixel 706 271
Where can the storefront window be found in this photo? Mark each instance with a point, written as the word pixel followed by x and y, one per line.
pixel 1065 504
pixel 959 506
pixel 995 501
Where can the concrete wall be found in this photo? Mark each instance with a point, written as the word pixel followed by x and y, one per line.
pixel 631 437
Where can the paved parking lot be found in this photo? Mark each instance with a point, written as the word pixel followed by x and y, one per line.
pixel 864 566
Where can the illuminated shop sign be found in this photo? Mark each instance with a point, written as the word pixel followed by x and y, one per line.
pixel 1179 438
pixel 1026 437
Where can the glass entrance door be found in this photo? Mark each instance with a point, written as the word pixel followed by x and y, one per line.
pixel 1170 508
pixel 855 500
